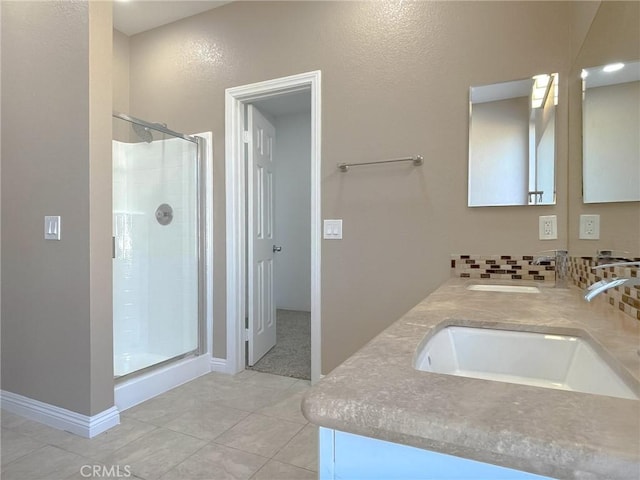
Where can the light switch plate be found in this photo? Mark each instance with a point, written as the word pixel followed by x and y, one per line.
pixel 590 227
pixel 52 227
pixel 548 228
pixel 332 229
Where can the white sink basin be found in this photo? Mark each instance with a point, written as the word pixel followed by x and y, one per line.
pixel 543 360
pixel 503 288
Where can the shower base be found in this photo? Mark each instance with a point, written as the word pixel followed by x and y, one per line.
pixel 131 391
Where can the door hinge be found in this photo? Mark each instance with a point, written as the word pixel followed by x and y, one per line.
pixel 246 138
pixel 245 336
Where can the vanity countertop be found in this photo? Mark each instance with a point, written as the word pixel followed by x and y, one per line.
pixel 562 434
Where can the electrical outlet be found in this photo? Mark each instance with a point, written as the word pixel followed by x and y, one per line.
pixel 590 227
pixel 548 227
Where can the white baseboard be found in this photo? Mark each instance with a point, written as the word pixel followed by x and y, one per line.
pixel 144 387
pixel 219 365
pixel 58 417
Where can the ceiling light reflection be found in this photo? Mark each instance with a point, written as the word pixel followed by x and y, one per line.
pixel 613 67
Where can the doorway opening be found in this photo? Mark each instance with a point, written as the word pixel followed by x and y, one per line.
pixel 257 269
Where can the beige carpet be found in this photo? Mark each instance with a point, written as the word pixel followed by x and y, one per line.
pixel 291 357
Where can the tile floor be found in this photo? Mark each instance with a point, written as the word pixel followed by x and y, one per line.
pixel 248 426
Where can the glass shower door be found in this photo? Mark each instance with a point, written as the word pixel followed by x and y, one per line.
pixel 155 227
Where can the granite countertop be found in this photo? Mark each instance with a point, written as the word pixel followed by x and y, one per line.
pixel 562 434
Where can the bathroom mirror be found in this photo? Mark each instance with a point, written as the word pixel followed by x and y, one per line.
pixel 611 133
pixel 512 142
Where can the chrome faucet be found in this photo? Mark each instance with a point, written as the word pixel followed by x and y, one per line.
pixel 605 284
pixel 561 260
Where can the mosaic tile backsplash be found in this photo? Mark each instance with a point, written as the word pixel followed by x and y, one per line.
pixel 502 267
pixel 624 298
pixel 521 267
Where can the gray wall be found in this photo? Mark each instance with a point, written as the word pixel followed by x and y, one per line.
pixel 499 152
pixel 121 59
pixel 395 82
pixel 0 179
pixel 293 204
pixel 416 59
pixel 56 160
pixel 611 136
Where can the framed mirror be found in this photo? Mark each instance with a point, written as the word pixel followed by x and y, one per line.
pixel 611 133
pixel 512 142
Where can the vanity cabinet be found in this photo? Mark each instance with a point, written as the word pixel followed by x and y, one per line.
pixel 347 456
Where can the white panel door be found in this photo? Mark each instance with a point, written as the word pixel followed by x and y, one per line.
pixel 260 233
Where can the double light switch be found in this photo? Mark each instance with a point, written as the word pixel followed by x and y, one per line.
pixel 52 227
pixel 333 229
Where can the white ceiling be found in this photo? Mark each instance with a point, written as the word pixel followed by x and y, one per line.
pixel 501 91
pixel 286 104
pixel 136 16
pixel 599 78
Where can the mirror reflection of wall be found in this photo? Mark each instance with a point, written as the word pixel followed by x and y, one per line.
pixel 611 133
pixel 611 34
pixel 512 142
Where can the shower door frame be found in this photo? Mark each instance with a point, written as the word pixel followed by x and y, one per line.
pixel 201 239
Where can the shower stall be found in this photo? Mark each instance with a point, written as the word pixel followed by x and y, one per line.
pixel 158 256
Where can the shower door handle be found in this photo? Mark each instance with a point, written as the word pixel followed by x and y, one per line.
pixel 113 247
pixel 277 249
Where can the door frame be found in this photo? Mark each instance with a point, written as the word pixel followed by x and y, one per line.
pixel 236 234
